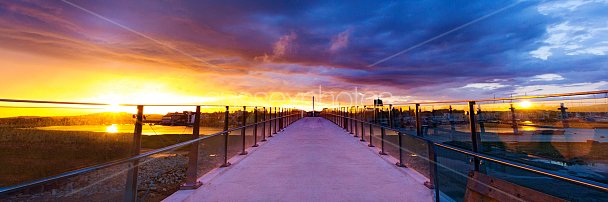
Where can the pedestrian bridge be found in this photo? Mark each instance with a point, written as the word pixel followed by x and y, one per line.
pixel 311 160
pixel 415 153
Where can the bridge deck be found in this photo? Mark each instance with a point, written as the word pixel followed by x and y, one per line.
pixel 312 160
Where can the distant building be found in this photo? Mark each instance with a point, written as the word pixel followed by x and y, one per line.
pixel 378 102
pixel 185 118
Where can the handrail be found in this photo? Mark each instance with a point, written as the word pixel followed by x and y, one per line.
pixel 561 176
pixel 14 188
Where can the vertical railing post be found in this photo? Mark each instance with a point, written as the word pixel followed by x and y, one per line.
pixel 286 118
pixel 335 116
pixel 371 135
pixel 341 117
pixel 564 115
pixel 475 139
pixel 418 121
pixel 356 119
pixel 362 116
pixel 338 114
pixel 131 184
pixel 451 119
pixel 480 121
pixel 281 118
pixel 338 118
pixel 264 125
pixel 514 121
pixel 382 134
pixel 226 122
pixel 191 172
pixel 255 127
pixel 351 119
pixel 270 122
pixel 291 117
pixel 390 116
pixel 434 176
pixel 243 131
pixel 345 119
pixel 400 140
pixel 276 120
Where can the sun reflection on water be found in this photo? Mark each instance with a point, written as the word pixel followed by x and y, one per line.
pixel 112 128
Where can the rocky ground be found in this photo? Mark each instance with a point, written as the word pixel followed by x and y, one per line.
pixel 158 177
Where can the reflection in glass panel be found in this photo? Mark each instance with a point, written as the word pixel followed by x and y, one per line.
pixel 567 136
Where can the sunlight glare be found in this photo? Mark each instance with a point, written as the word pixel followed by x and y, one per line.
pixel 525 104
pixel 112 128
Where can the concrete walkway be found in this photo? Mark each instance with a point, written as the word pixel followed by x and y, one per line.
pixel 312 160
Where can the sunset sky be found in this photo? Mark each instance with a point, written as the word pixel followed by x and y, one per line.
pixel 214 52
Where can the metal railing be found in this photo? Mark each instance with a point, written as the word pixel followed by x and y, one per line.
pixel 354 120
pixel 276 121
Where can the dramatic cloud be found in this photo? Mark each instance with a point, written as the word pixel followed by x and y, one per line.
pixel 506 46
pixel 583 30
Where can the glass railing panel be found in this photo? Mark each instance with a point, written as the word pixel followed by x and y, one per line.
pixel 108 184
pixel 260 132
pixel 160 175
pixel 446 123
pixel 235 143
pixel 210 154
pixel 545 184
pixel 391 145
pixel 404 118
pixel 267 130
pixel 566 135
pixel 212 120
pixel 39 141
pixel 249 137
pixel 415 154
pixel 368 113
pixel 382 115
pixel 377 137
pixel 452 173
pixel 366 135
